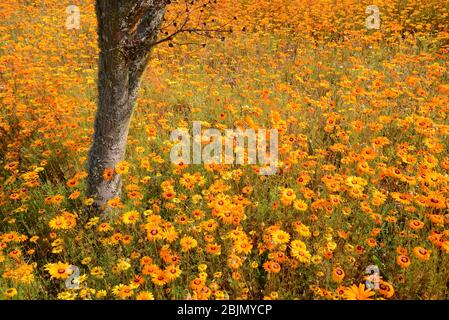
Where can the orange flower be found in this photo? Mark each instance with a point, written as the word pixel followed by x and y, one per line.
pixel 213 248
pixel 115 203
pixel 188 243
pixel 146 260
pixel 338 274
pixel 74 195
pixel 272 267
pixel 160 278
pixel 108 173
pixel 386 289
pixel 415 224
pixel 57 199
pixel 422 253
pixel 123 291
pixel 71 183
pixel 371 242
pixel 403 261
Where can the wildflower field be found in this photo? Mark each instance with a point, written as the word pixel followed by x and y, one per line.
pixel 362 182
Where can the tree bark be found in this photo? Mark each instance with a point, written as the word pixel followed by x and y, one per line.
pixel 127 30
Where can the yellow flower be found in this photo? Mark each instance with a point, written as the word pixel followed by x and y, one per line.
pixel 287 196
pixel 9 293
pixel 58 222
pixel 145 295
pixel 188 243
pixel 299 251
pixel 122 167
pixel 122 291
pixel 316 259
pixel 123 265
pixel 97 272
pixel 196 198
pixel 88 201
pixel 130 217
pixel 173 272
pixel 302 229
pixel 59 270
pixel 67 295
pixel 280 237
pixel 358 293
pixel 300 205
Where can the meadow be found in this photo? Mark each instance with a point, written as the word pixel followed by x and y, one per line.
pixel 363 122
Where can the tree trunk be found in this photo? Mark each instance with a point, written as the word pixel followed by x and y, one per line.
pixel 127 30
